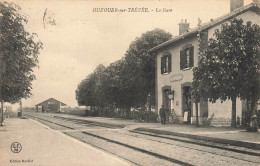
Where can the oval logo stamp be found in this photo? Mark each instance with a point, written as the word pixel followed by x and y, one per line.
pixel 16 147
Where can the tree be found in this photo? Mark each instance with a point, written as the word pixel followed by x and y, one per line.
pixel 98 74
pixel 89 91
pixel 113 85
pixel 230 65
pixel 140 66
pixel 18 54
pixel 127 82
pixel 82 93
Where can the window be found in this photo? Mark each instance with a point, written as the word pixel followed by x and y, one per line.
pixel 166 64
pixel 186 57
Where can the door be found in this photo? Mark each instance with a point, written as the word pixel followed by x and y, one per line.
pixel 166 100
pixel 187 110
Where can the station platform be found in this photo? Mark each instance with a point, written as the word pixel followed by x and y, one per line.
pixel 40 145
pixel 226 135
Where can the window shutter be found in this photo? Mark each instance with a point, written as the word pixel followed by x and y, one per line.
pixel 169 63
pixel 191 56
pixel 182 59
pixel 162 64
pixel 204 41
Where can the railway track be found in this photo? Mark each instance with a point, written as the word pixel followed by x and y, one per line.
pixel 198 142
pixel 120 140
pixel 92 123
pixel 49 121
pixel 172 160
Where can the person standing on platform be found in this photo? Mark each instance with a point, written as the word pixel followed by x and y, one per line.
pixel 162 114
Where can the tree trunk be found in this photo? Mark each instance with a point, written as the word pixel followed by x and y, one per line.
pixel 252 110
pixel 197 114
pixel 1 95
pixel 21 108
pixel 233 116
pixel 253 105
pixel 2 112
pixel 246 112
pixel 129 112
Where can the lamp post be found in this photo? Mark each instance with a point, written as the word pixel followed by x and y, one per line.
pixel 171 97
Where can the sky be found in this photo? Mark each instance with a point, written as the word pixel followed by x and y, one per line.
pixel 82 38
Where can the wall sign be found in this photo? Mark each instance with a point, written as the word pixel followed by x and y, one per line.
pixel 176 77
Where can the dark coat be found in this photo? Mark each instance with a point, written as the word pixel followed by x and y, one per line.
pixel 162 112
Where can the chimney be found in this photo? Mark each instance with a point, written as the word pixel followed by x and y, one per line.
pixel 257 2
pixel 235 4
pixel 183 27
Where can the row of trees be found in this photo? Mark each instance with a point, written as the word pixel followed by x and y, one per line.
pixel 18 55
pixel 230 67
pixel 127 82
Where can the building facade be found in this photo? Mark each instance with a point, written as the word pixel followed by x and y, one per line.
pixel 50 105
pixel 176 58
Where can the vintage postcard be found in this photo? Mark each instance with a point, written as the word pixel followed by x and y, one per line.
pixel 120 82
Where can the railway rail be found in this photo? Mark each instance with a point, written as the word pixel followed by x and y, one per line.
pixel 121 138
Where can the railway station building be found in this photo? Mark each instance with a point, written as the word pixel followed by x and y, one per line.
pixel 176 58
pixel 50 105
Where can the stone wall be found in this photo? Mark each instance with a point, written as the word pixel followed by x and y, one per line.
pixel 221 122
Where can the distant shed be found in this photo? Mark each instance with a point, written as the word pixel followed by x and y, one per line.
pixel 50 105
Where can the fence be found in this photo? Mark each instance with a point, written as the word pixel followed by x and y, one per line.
pixel 140 115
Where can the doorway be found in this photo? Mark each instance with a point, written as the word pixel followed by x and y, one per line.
pixel 187 103
pixel 166 100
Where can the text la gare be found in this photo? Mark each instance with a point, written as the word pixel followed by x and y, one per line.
pixel 163 10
